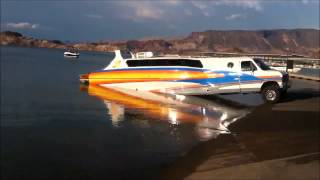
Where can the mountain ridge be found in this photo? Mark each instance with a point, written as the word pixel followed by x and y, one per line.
pixel 276 41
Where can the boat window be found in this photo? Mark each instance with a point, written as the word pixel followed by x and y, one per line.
pixel 248 66
pixel 261 64
pixel 230 65
pixel 165 62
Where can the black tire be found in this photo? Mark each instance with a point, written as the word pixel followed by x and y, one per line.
pixel 284 93
pixel 271 94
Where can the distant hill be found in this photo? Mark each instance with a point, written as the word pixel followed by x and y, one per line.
pixel 300 41
pixel 16 39
pixel 296 41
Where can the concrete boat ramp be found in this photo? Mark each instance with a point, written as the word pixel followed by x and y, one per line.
pixel 278 141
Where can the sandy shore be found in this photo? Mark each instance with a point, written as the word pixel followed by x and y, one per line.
pixel 278 141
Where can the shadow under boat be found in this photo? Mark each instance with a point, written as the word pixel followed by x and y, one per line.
pixel 211 118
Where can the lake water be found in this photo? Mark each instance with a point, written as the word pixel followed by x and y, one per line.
pixel 54 128
pixel 310 72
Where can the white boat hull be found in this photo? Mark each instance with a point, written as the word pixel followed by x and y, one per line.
pixel 70 54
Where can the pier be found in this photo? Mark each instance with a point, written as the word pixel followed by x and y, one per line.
pixel 290 60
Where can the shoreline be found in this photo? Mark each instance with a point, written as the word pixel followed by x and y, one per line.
pixel 53 48
pixel 258 143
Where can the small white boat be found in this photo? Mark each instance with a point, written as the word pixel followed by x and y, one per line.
pixel 71 54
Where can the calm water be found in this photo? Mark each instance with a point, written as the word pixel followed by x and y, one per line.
pixel 309 72
pixel 53 128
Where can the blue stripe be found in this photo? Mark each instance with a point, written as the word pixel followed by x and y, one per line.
pixel 221 80
pixel 208 81
pixel 247 77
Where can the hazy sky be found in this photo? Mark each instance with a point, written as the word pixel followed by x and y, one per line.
pixel 118 20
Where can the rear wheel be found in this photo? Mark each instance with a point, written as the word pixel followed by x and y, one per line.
pixel 271 94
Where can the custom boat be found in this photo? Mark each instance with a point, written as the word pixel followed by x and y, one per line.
pixel 188 75
pixel 71 53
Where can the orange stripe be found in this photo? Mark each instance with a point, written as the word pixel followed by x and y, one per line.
pixel 143 76
pixel 152 109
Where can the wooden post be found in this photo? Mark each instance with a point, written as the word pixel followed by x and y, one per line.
pixel 289 65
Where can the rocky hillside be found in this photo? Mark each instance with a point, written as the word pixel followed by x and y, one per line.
pixel 17 39
pixel 14 38
pixel 297 41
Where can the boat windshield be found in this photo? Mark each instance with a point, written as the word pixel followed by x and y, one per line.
pixel 261 64
pixel 165 62
pixel 125 54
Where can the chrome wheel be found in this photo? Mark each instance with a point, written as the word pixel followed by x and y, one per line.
pixel 271 95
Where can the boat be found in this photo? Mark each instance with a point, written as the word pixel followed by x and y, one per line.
pixel 186 75
pixel 71 53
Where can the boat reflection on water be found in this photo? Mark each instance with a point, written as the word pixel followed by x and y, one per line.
pixel 210 118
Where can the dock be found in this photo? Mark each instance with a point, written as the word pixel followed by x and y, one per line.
pixel 289 60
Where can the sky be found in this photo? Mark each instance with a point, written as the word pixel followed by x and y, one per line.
pixel 103 20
